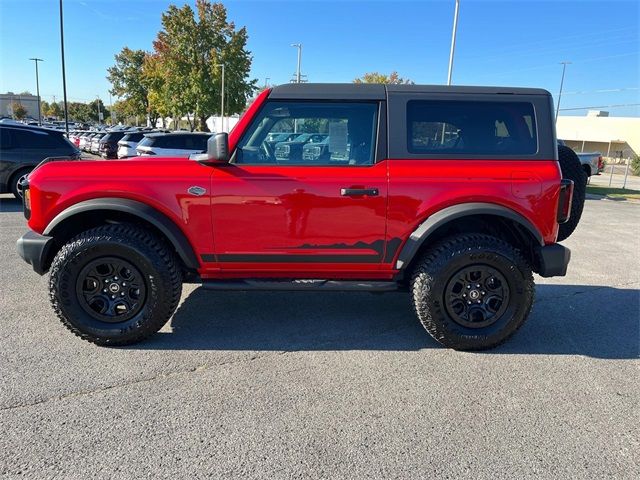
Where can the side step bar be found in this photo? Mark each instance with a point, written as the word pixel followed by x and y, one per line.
pixel 304 285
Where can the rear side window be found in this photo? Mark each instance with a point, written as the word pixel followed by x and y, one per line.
pixel 196 142
pixel 147 142
pixel 36 140
pixel 474 128
pixel 133 137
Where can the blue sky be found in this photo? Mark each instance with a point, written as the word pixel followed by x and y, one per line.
pixel 515 43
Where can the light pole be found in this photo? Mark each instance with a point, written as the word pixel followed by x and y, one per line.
pixel 221 97
pixel 98 97
pixel 453 41
pixel 36 60
pixel 564 67
pixel 266 81
pixel 64 78
pixel 299 47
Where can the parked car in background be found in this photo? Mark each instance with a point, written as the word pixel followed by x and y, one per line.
pixel 127 144
pixel 592 162
pixel 108 145
pixel 274 138
pixel 23 147
pixel 292 149
pixel 95 142
pixel 321 152
pixel 85 141
pixel 175 144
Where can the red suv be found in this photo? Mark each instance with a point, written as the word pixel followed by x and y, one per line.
pixel 454 194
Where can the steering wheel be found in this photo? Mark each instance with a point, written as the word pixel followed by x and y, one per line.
pixel 265 154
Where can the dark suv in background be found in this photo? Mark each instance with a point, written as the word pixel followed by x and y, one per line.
pixel 108 145
pixel 23 147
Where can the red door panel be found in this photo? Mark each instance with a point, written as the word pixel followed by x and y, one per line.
pixel 298 218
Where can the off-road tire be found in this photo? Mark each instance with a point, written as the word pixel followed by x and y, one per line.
pixel 15 178
pixel 142 249
pixel 441 263
pixel 572 170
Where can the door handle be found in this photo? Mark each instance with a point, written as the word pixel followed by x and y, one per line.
pixel 353 192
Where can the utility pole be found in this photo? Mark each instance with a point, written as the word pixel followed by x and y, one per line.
pixel 221 98
pixel 64 78
pixel 564 67
pixel 36 60
pixel 299 47
pixel 111 113
pixel 453 42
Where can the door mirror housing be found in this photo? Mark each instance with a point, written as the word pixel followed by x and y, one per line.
pixel 217 150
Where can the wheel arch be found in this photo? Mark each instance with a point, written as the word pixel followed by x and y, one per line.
pixel 100 211
pixel 473 217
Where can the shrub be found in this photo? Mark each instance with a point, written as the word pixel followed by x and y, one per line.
pixel 635 165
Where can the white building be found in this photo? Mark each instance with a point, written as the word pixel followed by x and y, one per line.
pixel 614 137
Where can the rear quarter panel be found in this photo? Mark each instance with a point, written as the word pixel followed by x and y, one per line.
pixel 420 188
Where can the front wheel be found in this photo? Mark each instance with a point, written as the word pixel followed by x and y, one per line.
pixel 472 292
pixel 115 284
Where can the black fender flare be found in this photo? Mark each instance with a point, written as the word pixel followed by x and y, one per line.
pixel 446 215
pixel 159 220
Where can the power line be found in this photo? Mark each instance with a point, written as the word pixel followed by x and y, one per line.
pixel 602 106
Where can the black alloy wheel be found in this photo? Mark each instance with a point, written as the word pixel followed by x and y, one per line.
pixel 477 296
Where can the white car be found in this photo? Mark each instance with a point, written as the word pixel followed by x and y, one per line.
pixel 95 143
pixel 175 144
pixel 127 144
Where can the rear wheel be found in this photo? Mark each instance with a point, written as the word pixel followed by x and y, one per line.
pixel 16 181
pixel 572 170
pixel 472 292
pixel 115 284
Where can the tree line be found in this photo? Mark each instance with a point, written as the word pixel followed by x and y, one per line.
pixel 182 76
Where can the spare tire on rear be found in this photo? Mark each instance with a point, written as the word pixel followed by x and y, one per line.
pixel 572 170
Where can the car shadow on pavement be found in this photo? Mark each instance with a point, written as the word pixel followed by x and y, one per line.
pixel 10 204
pixel 594 321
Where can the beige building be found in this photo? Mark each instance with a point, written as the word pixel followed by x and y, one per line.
pixel 614 137
pixel 29 102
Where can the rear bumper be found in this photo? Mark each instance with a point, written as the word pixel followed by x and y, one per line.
pixel 554 260
pixel 34 249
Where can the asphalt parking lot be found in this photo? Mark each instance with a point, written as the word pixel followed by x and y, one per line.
pixel 331 385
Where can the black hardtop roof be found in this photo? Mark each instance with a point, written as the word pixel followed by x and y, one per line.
pixel 371 91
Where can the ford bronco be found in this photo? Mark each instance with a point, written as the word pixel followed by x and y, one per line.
pixel 454 194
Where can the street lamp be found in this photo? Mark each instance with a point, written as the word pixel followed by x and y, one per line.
pixel 64 78
pixel 36 60
pixel 221 97
pixel 299 47
pixel 99 114
pixel 266 81
pixel 453 42
pixel 564 67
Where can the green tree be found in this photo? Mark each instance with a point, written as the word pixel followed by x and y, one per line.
pixel 19 111
pixel 55 110
pixel 391 79
pixel 93 111
pixel 44 108
pixel 189 49
pixel 128 81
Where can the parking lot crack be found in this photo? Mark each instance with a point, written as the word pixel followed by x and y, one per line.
pixel 160 376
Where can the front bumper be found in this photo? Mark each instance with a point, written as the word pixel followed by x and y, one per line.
pixel 554 260
pixel 34 249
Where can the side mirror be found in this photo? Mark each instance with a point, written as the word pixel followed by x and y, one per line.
pixel 217 150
